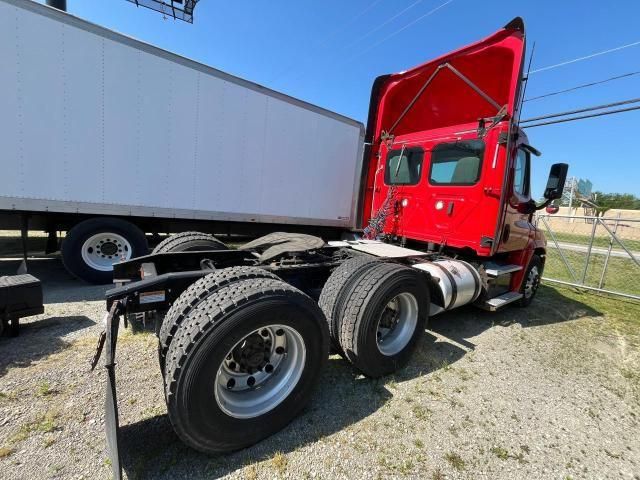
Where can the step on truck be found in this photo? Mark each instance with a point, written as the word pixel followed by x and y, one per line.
pixel 109 139
pixel 447 215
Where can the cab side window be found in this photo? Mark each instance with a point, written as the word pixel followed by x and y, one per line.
pixel 403 167
pixel 457 163
pixel 521 173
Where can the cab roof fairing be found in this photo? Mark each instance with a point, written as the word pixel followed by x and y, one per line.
pixel 494 65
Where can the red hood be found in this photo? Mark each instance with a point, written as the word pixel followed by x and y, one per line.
pixel 492 66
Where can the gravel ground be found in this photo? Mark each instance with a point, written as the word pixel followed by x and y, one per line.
pixel 552 391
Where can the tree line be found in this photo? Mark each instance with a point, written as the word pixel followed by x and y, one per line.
pixel 608 201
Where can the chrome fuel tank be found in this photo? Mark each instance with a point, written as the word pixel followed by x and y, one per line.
pixel 458 281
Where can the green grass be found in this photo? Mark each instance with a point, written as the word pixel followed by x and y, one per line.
pixel 557 303
pixel 598 241
pixel 501 453
pixel 622 275
pixel 455 460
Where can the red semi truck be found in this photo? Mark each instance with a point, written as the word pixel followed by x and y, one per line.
pixel 447 221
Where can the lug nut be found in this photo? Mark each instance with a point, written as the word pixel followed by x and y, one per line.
pixel 251 381
pixel 264 332
pixel 279 350
pixel 268 368
pixel 232 365
pixel 279 332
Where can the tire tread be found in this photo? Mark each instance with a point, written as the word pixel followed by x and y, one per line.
pixel 336 288
pixel 196 293
pixel 170 243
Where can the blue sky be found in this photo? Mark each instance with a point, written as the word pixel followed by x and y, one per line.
pixel 328 53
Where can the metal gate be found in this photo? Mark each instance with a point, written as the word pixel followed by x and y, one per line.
pixel 594 253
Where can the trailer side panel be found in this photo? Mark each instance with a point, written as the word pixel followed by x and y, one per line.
pixel 97 122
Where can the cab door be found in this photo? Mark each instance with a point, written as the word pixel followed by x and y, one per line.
pixel 517 226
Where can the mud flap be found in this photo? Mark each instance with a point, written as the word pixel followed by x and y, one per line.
pixel 108 338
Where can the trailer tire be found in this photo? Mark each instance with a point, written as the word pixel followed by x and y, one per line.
pixel 207 411
pixel 189 242
pixel 531 280
pixel 384 316
pixel 337 287
pixel 195 294
pixel 83 249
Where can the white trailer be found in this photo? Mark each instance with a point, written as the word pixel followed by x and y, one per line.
pixel 106 137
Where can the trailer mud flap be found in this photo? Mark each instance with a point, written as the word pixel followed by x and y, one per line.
pixel 108 338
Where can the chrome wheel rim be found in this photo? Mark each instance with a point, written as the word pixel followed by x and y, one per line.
pixel 532 282
pixel 260 371
pixel 102 250
pixel 397 323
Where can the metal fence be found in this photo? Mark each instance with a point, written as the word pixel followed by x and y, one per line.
pixel 603 255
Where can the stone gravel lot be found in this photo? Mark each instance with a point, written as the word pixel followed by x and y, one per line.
pixel 552 391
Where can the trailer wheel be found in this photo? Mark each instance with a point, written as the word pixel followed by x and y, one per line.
pixel 91 247
pixel 196 293
pixel 337 287
pixel 244 364
pixel 189 242
pixel 531 281
pixel 384 316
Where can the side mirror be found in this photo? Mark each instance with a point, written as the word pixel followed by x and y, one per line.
pixel 526 208
pixel 552 209
pixel 555 183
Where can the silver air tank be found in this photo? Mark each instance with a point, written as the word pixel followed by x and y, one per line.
pixel 458 281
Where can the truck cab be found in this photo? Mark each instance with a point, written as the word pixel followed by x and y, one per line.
pixel 448 166
pixel 446 211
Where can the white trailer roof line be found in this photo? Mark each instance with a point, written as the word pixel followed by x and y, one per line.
pixel 174 57
pixel 121 127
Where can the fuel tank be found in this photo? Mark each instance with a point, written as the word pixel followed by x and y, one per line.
pixel 458 283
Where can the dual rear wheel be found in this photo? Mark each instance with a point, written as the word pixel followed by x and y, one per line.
pixel 376 314
pixel 241 350
pixel 241 353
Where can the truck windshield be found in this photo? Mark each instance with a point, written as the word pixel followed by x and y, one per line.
pixel 403 167
pixel 456 163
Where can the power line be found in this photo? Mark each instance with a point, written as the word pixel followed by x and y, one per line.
pixel 579 59
pixel 413 22
pixel 388 21
pixel 353 19
pixel 324 41
pixel 582 110
pixel 584 85
pixel 582 117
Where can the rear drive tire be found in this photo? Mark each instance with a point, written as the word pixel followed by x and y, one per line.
pixel 531 281
pixel 337 287
pixel 229 336
pixel 91 247
pixel 189 242
pixel 196 293
pixel 384 316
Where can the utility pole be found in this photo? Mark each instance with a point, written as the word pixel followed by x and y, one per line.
pixel 59 4
pixel 571 183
